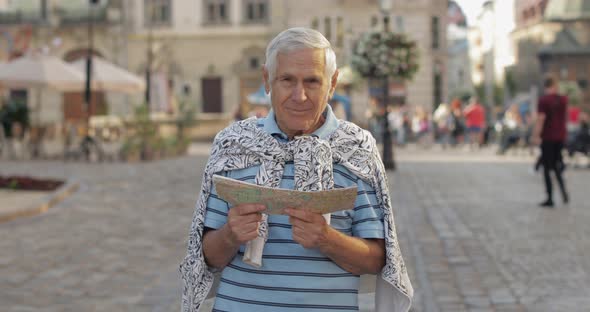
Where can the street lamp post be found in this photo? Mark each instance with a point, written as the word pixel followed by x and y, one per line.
pixel 150 56
pixel 88 141
pixel 88 88
pixel 388 159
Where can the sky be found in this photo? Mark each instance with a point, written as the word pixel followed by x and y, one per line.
pixel 472 8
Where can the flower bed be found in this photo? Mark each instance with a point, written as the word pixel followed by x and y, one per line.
pixel 26 183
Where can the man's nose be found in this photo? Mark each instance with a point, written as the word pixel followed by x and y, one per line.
pixel 298 94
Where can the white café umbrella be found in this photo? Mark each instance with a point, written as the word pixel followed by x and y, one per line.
pixel 107 76
pixel 40 72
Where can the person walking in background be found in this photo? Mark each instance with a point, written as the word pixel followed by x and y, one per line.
pixel 338 109
pixel 396 121
pixel 457 122
pixel 550 131
pixel 442 121
pixel 420 126
pixel 511 129
pixel 371 114
pixel 475 120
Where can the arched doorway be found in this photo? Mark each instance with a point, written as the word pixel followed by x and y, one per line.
pixel 248 69
pixel 73 102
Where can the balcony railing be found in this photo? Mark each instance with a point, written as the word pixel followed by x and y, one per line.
pixel 19 17
pixel 65 17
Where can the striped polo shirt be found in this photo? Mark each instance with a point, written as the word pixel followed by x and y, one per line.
pixel 293 278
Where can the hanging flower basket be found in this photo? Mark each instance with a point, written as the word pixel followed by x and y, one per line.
pixel 385 54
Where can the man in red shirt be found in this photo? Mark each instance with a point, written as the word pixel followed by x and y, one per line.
pixel 475 119
pixel 550 130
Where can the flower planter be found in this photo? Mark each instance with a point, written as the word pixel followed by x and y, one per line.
pixel 27 183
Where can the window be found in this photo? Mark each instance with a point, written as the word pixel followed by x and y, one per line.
pixel 339 32
pixel 315 23
pixel 563 72
pixel 254 63
pixel 583 83
pixel 255 11
pixel 328 28
pixel 216 11
pixel 399 23
pixel 157 12
pixel 435 29
pixel 374 21
pixel 386 23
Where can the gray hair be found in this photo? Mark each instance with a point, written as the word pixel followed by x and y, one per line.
pixel 295 39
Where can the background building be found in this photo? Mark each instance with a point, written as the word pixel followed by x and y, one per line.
pixel 491 51
pixel 60 28
pixel 342 22
pixel 553 37
pixel 210 52
pixel 459 67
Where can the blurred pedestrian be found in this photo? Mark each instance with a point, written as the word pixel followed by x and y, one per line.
pixel 581 138
pixel 420 126
pixel 512 129
pixel 338 109
pixel 475 120
pixel 457 122
pixel 442 122
pixel 550 132
pixel 372 116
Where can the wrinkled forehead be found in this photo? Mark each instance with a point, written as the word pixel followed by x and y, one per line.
pixel 304 58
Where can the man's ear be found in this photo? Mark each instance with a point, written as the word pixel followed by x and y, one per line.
pixel 334 82
pixel 266 81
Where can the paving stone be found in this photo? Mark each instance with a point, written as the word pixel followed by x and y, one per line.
pixel 471 234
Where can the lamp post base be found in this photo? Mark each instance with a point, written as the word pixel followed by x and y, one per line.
pixel 388 160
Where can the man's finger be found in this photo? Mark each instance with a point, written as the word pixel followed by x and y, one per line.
pixel 250 218
pixel 248 228
pixel 295 223
pixel 245 209
pixel 300 214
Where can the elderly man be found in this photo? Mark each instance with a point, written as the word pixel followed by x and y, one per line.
pixel 307 262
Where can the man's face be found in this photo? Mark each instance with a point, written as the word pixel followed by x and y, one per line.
pixel 300 90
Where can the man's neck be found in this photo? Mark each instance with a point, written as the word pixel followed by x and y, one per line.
pixel 318 124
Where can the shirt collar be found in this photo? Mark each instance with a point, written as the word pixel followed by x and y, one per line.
pixel 270 126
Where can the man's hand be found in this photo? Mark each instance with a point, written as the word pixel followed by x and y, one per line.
pixel 536 140
pixel 353 254
pixel 220 246
pixel 242 223
pixel 310 229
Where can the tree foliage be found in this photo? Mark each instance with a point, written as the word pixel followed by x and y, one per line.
pixel 385 54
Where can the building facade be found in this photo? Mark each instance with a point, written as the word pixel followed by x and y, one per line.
pixel 215 48
pixel 491 51
pixel 210 53
pixel 60 28
pixel 553 37
pixel 459 65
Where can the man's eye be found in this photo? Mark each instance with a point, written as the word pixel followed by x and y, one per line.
pixel 312 83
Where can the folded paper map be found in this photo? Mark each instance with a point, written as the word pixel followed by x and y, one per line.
pixel 276 200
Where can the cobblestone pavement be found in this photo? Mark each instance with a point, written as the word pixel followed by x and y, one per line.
pixel 471 233
pixel 475 240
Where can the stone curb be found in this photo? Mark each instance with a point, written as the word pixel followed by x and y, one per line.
pixel 47 202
